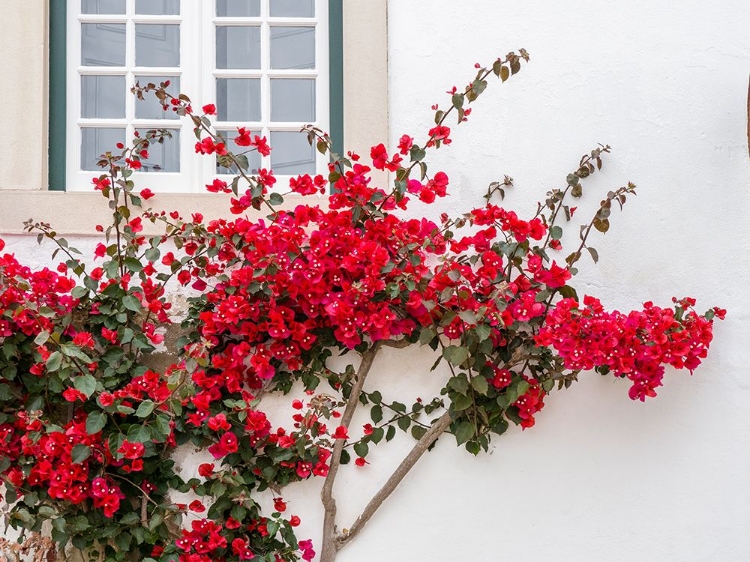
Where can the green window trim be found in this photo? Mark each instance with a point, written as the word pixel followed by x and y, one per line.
pixel 57 86
pixel 57 94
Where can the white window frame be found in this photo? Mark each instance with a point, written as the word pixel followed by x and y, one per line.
pixel 197 74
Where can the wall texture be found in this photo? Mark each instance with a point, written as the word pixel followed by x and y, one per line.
pixel 599 477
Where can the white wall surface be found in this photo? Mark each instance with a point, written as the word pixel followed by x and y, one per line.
pixel 599 478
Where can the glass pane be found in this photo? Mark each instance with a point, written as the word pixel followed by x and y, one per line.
pixel 291 154
pixel 237 47
pixel 157 45
pixel 103 7
pixel 238 8
pixel 162 157
pixel 95 142
pixel 238 99
pixel 150 107
pixel 157 7
pixel 103 97
pixel 293 8
pixel 103 44
pixel 292 47
pixel 293 100
pixel 253 158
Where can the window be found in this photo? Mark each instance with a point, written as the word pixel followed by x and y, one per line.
pixel 264 63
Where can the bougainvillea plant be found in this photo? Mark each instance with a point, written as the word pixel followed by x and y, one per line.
pixel 89 422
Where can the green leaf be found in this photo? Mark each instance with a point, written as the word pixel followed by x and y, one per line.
pixel 361 449
pixel 376 397
pixel 417 431
pixel 459 384
pixel 455 354
pixel 133 264
pixel 480 384
pixel 464 432
pixel 54 361
pixel 86 384
pixel 275 199
pixel 504 73
pixel 556 232
pixel 376 413
pixel 398 407
pixel 390 434
pixel 41 338
pixel 95 422
pixel 80 453
pixel 145 408
pixel 131 302
pixel 404 423
pixel 377 435
pixel 461 402
pixel 594 254
pixel 483 332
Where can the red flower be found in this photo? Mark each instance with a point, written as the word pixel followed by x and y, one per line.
pixel 131 450
pixel 360 461
pixel 341 433
pixel 294 521
pixel 71 395
pixel 146 194
pixel 279 505
pixel 243 138
pixel 100 183
pixel 206 469
pixel 96 273
pixel 197 506
pixel 209 109
pixel 405 144
pixel 218 186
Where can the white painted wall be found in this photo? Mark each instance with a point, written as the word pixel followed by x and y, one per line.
pixel 599 477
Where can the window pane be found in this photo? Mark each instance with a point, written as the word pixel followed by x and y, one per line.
pixel 103 44
pixel 162 157
pixel 291 154
pixel 253 158
pixel 103 97
pixel 293 100
pixel 237 47
pixel 292 47
pixel 238 8
pixel 103 7
pixel 97 141
pixel 157 7
pixel 150 107
pixel 293 8
pixel 157 45
pixel 238 99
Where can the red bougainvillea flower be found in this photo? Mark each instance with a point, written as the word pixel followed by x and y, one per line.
pixel 131 450
pixel 341 433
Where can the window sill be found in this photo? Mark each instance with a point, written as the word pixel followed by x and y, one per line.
pixel 77 213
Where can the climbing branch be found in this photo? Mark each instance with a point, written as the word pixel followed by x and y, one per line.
pixel 437 429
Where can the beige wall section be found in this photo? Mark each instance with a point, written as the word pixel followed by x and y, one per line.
pixel 365 75
pixel 23 182
pixel 23 64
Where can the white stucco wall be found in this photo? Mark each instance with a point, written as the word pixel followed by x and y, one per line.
pixel 599 477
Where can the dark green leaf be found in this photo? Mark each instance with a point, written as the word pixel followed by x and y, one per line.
pixel 464 432
pixel 95 422
pixel 80 453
